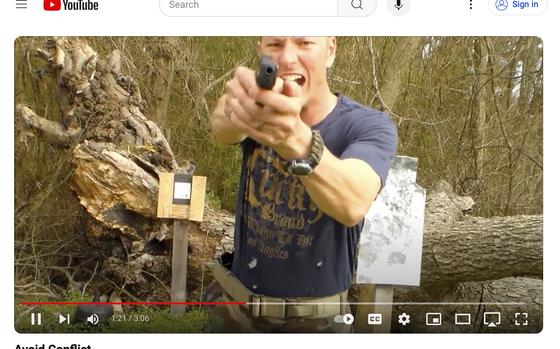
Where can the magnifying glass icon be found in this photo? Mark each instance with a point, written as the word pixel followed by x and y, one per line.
pixel 357 4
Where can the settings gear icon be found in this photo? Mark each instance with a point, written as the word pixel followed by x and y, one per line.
pixel 404 319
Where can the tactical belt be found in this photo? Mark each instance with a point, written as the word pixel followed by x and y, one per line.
pixel 280 308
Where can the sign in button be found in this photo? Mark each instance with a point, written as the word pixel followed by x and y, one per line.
pixel 518 7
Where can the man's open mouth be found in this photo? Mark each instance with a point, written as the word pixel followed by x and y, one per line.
pixel 299 79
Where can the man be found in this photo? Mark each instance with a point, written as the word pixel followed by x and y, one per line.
pixel 313 163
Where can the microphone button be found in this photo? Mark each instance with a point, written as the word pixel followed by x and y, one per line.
pixel 399 7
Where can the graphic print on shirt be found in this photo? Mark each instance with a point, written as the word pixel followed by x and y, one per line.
pixel 279 210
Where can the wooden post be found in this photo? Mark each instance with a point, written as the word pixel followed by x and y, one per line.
pixel 179 265
pixel 180 197
pixel 366 293
pixel 383 294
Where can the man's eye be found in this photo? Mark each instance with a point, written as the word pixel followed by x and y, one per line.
pixel 307 43
pixel 274 44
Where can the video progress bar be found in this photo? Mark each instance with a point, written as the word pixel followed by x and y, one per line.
pixel 133 303
pixel 400 303
pixel 272 303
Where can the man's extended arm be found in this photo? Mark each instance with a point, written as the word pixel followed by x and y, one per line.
pixel 343 189
pixel 223 130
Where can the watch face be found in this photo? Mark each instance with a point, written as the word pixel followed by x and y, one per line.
pixel 300 168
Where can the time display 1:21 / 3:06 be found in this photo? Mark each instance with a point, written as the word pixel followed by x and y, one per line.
pixel 131 318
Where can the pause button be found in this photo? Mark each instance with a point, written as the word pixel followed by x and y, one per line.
pixel 35 319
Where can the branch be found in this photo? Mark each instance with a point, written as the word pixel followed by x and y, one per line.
pixel 50 131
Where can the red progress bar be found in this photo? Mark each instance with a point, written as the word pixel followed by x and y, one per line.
pixel 134 303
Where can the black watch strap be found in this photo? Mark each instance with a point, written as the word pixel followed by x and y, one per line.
pixel 304 167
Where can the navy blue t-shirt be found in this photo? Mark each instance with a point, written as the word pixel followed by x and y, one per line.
pixel 284 245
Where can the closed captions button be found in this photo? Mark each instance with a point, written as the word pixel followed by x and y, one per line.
pixel 518 7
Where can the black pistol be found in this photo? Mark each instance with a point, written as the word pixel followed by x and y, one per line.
pixel 266 73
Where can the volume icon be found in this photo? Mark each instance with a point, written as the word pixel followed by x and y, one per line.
pixel 93 319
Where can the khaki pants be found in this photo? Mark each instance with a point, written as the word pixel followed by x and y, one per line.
pixel 236 318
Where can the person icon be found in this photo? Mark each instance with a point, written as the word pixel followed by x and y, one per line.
pixel 501 5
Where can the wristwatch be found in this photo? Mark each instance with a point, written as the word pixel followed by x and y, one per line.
pixel 304 167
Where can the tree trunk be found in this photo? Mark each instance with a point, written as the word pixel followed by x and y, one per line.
pixel 397 66
pixel 117 154
pixel 478 249
pixel 479 108
pixel 164 73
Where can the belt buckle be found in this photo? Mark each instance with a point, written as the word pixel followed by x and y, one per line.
pixel 260 306
pixel 279 310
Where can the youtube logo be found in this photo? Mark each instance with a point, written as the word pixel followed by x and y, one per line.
pixel 51 5
pixel 67 5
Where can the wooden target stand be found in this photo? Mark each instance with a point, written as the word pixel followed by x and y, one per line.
pixel 180 197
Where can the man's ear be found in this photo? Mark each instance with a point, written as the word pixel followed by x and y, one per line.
pixel 331 50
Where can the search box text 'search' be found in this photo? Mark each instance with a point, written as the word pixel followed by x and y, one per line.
pixel 260 8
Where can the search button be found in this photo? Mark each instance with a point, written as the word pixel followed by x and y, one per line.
pixel 357 4
pixel 356 8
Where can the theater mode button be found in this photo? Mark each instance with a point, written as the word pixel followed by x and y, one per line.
pixel 518 7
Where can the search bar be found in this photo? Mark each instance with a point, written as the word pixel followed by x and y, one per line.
pixel 267 8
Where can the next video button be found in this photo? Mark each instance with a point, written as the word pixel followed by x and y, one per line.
pixel 518 7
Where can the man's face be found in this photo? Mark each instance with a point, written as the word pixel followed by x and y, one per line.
pixel 302 59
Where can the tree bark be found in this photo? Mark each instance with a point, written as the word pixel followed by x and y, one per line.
pixel 117 154
pixel 479 138
pixel 401 57
pixel 460 248
pixel 478 249
pixel 50 131
pixel 164 73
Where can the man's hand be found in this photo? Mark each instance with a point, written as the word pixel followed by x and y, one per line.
pixel 276 122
